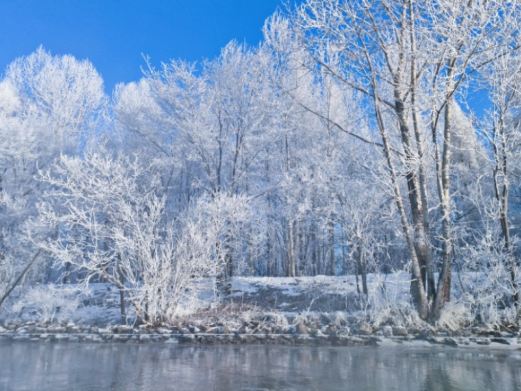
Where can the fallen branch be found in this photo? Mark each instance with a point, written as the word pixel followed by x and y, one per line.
pixel 19 278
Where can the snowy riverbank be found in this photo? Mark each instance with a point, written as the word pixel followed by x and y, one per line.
pixel 220 335
pixel 301 310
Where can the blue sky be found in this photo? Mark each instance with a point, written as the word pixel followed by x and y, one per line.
pixel 114 33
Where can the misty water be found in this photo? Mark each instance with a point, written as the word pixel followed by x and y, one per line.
pixel 82 366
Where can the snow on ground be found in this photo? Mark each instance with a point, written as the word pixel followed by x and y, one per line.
pixel 318 293
pixel 100 304
pixel 327 284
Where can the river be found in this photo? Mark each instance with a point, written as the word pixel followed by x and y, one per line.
pixel 113 366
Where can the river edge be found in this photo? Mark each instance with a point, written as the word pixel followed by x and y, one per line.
pixel 164 335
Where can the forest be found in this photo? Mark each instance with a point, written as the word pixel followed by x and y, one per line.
pixel 363 139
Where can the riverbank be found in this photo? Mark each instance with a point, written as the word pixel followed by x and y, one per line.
pixel 321 310
pixel 218 335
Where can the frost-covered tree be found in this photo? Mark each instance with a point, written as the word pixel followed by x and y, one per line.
pixel 49 104
pixel 410 61
pixel 112 227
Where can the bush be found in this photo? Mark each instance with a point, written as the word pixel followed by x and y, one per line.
pixel 49 303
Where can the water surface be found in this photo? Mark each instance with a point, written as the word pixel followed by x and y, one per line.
pixel 112 366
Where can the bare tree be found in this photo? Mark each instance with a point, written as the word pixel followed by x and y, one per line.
pixel 408 58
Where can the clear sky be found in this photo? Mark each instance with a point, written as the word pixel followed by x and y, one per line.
pixel 114 33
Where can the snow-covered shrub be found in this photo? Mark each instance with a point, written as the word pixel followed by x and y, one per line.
pixel 210 231
pixel 485 282
pixel 48 303
pixel 113 226
pixel 455 316
pixel 388 301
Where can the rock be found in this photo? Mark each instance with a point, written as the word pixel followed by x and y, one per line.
pixel 356 341
pixel 72 328
pixel 13 325
pixel 483 341
pixel 463 341
pixel 365 329
pixel 434 340
pixel 320 334
pixel 500 340
pixel 424 334
pixel 216 330
pixel 387 331
pixel 22 330
pixel 450 341
pixel 400 331
pixel 122 329
pixel 194 329
pixel 164 330
pixel 292 329
pixel 487 332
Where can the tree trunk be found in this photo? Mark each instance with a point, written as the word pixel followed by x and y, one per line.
pixel 419 296
pixel 331 248
pixel 423 242
pixel 122 306
pixel 502 196
pixel 362 270
pixel 292 264
pixel 416 201
pixel 444 282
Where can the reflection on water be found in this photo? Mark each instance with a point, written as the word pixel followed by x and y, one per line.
pixel 81 367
